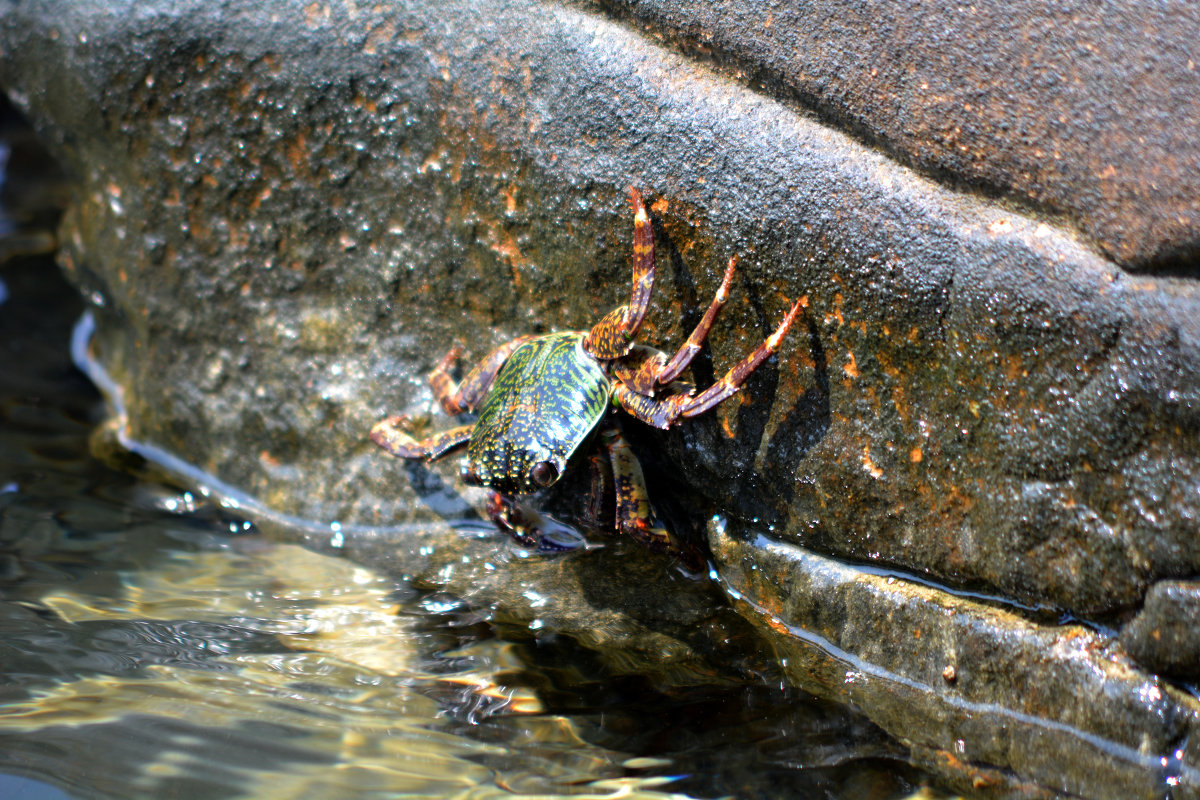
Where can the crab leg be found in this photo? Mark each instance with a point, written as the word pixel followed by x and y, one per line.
pixel 612 337
pixel 643 264
pixel 656 371
pixel 661 413
pixel 457 398
pixel 683 357
pixel 444 388
pixel 599 508
pixel 392 435
pixel 633 512
pixel 733 380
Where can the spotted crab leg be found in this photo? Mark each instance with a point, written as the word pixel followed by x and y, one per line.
pixel 457 398
pixel 643 264
pixel 662 412
pixel 633 512
pixel 656 371
pixel 392 435
pixel 683 357
pixel 613 336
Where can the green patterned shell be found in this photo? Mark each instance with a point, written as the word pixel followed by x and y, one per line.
pixel 545 401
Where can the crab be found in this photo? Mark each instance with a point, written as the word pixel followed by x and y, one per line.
pixel 544 401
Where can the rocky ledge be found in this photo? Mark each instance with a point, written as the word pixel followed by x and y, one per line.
pixel 965 496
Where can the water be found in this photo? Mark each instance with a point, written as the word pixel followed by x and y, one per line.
pixel 154 645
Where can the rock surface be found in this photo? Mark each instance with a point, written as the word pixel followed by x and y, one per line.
pixel 285 212
pixel 966 682
pixel 1077 112
pixel 1163 636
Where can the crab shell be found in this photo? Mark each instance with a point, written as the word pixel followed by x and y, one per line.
pixel 544 404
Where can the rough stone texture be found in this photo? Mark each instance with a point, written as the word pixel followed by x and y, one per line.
pixel 1164 635
pixel 1082 112
pixel 1087 721
pixel 285 212
pixel 287 225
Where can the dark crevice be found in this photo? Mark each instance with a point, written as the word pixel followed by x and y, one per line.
pixel 1179 262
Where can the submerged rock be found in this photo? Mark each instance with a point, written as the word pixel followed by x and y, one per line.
pixel 285 212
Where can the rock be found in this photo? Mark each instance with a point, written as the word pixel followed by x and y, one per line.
pixel 648 617
pixel 1074 112
pixel 961 680
pixel 286 212
pixel 985 398
pixel 1163 636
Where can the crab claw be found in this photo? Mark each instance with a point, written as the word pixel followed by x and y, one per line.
pixel 530 528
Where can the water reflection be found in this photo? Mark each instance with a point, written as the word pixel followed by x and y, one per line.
pixel 265 670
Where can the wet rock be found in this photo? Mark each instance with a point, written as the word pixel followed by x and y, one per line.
pixel 286 227
pixel 644 614
pixel 1163 636
pixel 1076 112
pixel 284 213
pixel 966 681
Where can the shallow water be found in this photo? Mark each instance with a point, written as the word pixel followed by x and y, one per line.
pixel 153 645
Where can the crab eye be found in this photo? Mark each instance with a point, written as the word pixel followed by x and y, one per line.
pixel 544 473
